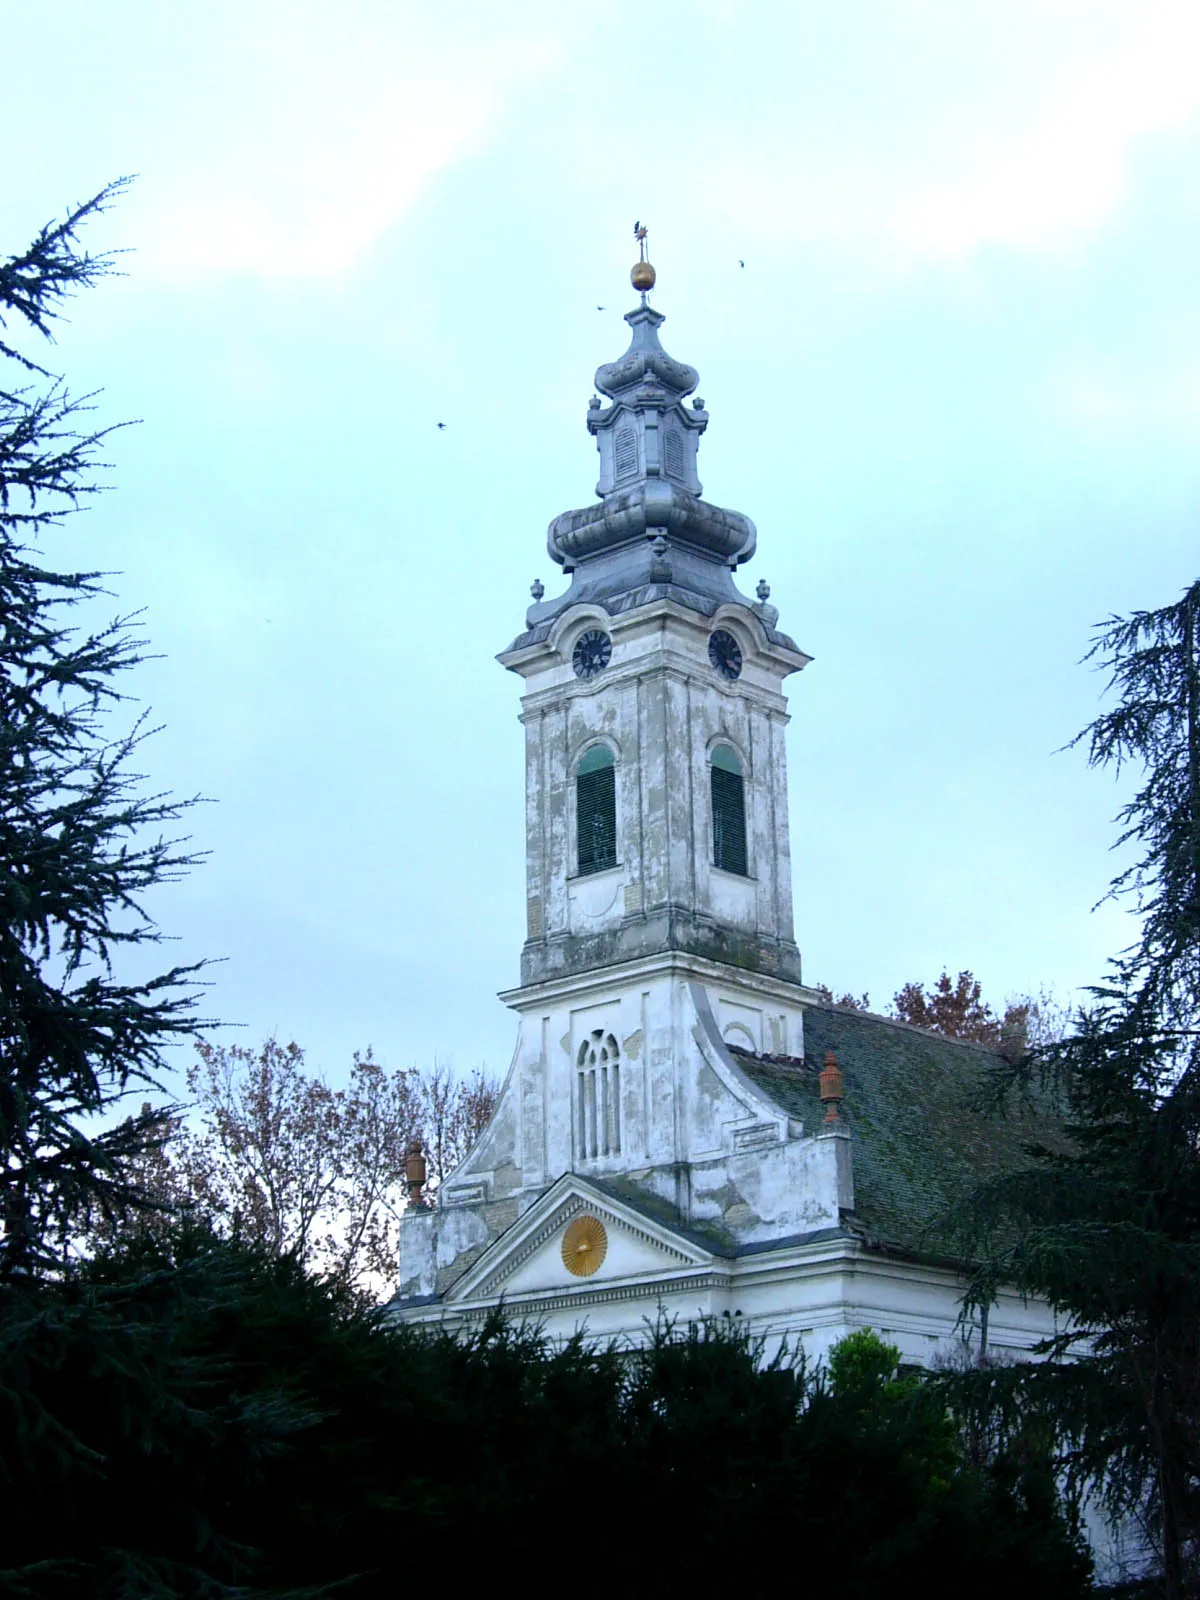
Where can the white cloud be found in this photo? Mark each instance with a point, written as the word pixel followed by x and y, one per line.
pixel 1029 150
pixel 1065 172
pixel 1117 405
pixel 320 126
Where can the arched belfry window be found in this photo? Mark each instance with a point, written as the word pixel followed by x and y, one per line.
pixel 598 1065
pixel 728 811
pixel 596 810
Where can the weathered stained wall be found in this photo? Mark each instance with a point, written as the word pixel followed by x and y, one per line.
pixel 660 707
pixel 688 1131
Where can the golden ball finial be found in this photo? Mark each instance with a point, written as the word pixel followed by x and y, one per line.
pixel 642 273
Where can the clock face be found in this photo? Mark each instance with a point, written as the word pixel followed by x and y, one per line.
pixel 725 654
pixel 593 652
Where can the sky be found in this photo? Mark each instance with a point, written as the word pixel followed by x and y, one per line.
pixel 956 384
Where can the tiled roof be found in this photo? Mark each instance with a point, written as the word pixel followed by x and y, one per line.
pixel 914 1101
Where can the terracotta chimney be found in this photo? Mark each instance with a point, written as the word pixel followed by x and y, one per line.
pixel 830 1079
pixel 414 1173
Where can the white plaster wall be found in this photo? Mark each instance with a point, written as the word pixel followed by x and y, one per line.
pixel 596 901
pixel 678 1103
pixel 809 1297
pixel 765 1195
pixel 693 1129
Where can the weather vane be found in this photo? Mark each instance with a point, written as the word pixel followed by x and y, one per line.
pixel 642 276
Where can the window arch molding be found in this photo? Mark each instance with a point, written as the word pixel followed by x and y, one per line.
pixel 567 630
pixel 748 631
pixel 725 739
pixel 596 741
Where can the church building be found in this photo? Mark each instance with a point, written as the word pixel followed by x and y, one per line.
pixel 687 1128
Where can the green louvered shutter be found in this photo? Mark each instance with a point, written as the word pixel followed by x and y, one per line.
pixel 728 812
pixel 596 811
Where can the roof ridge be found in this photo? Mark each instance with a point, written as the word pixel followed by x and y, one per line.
pixel 907 1027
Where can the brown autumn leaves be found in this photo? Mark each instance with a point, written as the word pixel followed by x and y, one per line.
pixel 956 1008
pixel 270 1151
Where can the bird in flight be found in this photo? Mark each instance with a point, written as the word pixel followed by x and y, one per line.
pixel 442 426
pixel 601 308
pixel 741 263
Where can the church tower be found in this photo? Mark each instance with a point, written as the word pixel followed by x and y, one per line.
pixel 659 901
pixel 685 1126
pixel 656 770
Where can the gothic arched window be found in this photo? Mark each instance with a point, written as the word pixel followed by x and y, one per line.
pixel 728 811
pixel 596 810
pixel 598 1064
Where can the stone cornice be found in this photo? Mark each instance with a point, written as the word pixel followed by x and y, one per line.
pixel 670 664
pixel 521 658
pixel 674 963
pixel 533 1306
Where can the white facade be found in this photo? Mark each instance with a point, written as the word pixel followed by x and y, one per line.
pixel 663 1085
pixel 810 1292
pixel 660 1147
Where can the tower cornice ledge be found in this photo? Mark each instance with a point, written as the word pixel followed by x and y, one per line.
pixel 672 963
pixel 661 932
pixel 540 644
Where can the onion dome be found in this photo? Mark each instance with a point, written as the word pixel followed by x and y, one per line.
pixel 651 536
pixel 648 441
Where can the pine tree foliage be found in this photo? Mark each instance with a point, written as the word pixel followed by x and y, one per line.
pixel 206 1419
pixel 1105 1222
pixel 1154 661
pixel 1106 1229
pixel 81 841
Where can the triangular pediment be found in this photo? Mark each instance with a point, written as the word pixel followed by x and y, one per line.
pixel 577 1237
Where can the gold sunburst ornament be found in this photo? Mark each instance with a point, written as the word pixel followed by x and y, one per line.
pixel 584 1246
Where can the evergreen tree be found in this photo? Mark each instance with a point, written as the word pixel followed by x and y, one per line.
pixel 1105 1223
pixel 80 840
pixel 204 1419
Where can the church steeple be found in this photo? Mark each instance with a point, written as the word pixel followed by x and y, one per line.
pixel 658 881
pixel 652 536
pixel 647 432
pixel 656 775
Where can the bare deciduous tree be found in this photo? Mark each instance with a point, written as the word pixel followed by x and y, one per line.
pixel 452 1115
pixel 273 1153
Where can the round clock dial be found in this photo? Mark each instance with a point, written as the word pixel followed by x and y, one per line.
pixel 593 652
pixel 725 654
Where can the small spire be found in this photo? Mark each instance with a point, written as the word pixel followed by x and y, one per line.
pixel 830 1080
pixel 648 441
pixel 642 275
